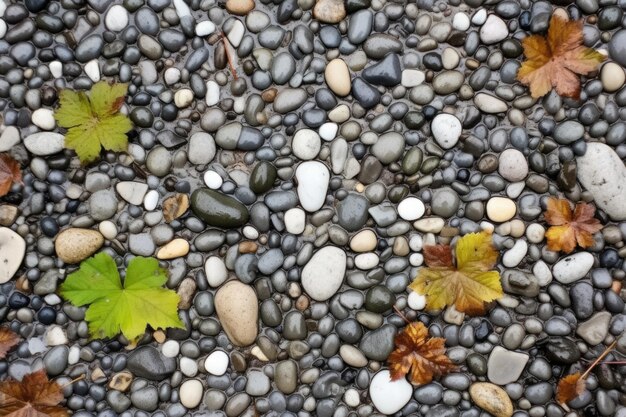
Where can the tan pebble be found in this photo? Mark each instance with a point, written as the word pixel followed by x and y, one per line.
pixel 364 241
pixel 74 245
pixel 500 209
pixel 8 214
pixel 302 303
pixel 492 399
pixel 175 249
pixel 248 247
pixel 97 375
pixel 159 336
pixel 517 228
pixel 237 308
pixel 258 353
pixel 338 77
pixel 429 224
pixel 239 7
pixel 121 381
pixel 269 95
pixel 400 246
pixel 329 11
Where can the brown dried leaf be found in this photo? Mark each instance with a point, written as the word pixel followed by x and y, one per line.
pixel 9 173
pixel 570 387
pixel 33 396
pixel 422 355
pixel 175 206
pixel 570 228
pixel 8 339
pixel 437 255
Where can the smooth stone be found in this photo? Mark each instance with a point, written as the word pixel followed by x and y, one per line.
pixel 352 212
pixel 174 249
pixel 364 241
pixel 43 119
pixel 338 77
pixel 389 396
pixel 446 130
pixel 490 104
pixel 263 177
pixel 12 248
pixel 594 330
pixel 512 165
pixel 573 267
pixel 505 366
pixel 501 209
pixel 201 149
pixel 131 191
pixel 388 148
pixel 286 376
pixel 9 138
pixel 236 305
pixel 601 171
pixel 329 11
pixel 617 47
pixel 313 178
pixel 191 393
pixel 323 275
pixel 74 245
pixel 492 399
pixel 306 144
pixel 239 7
pixel 216 363
pixel 116 18
pixel 147 362
pixel 493 30
pixel 44 143
pixel 217 209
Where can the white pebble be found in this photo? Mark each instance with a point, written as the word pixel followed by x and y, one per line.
pixel 183 98
pixel 116 19
pixel 216 363
pixel 215 270
pixel 416 259
pixel 389 396
pixel 366 261
pixel 236 33
pixel 108 229
pixel 151 200
pixel 411 208
pixel 416 301
pixel 92 69
pixel 295 220
pixel 56 69
pixel 250 232
pixel 542 272
pixel 188 366
pixel 306 144
pixel 328 131
pixel 493 30
pixel 55 336
pixel 3 28
pixel 461 22
pixel 170 348
pixel 212 93
pixel 191 393
pixel 416 243
pixel 205 28
pixel 351 398
pixel 514 256
pixel 535 233
pixel 43 119
pixel 213 180
pixel 572 267
pixel 171 76
pixel 74 355
pixel 412 78
pixel 446 130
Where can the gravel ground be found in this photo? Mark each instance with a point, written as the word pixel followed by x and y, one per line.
pixel 345 137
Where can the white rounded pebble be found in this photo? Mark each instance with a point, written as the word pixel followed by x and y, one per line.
pixel 389 396
pixel 212 93
pixel 542 272
pixel 351 397
pixel 416 243
pixel 170 348
pixel 250 232
pixel 416 301
pixel 366 261
pixel 92 69
pixel 44 143
pixel 171 76
pixel 612 76
pixel 323 275
pixel 116 18
pixel 55 336
pixel 191 393
pixel 236 33
pixel 213 180
pixel 215 270
pixel 188 366
pixel 295 220
pixel 306 144
pixel 512 165
pixel 43 119
pixel 216 363
pixel 328 131
pixel 205 28
pixel 500 209
pixel 183 98
pixel 56 68
pixel 493 30
pixel 572 267
pixel 9 138
pixel 535 233
pixel 514 256
pixel 446 130
pixel 12 250
pixel 3 28
pixel 412 78
pixel 416 259
pixel 151 200
pixel 313 178
pixel 479 17
pixel 108 229
pixel 74 355
pixel 411 208
pixel 461 22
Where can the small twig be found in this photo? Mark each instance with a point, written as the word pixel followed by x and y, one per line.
pixel 399 313
pixel 613 363
pixel 228 57
pixel 602 356
pixel 73 381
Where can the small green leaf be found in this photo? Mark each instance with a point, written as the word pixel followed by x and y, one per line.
pixel 93 120
pixel 114 308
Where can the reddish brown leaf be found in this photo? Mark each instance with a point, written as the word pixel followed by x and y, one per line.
pixel 557 59
pixel 9 173
pixel 33 396
pixel 175 206
pixel 437 255
pixel 570 387
pixel 569 228
pixel 422 355
pixel 8 339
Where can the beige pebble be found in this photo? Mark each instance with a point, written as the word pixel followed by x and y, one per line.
pixel 517 228
pixel 338 77
pixel 329 11
pixel 174 249
pixel 612 76
pixel 401 246
pixel 429 224
pixel 74 245
pixel 492 399
pixel 186 291
pixel 239 7
pixel 237 308
pixel 500 209
pixel 364 241
pixel 121 381
pixel 352 356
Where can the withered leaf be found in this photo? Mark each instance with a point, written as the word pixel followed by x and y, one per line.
pixel 33 396
pixel 9 173
pixel 569 387
pixel 8 339
pixel 569 228
pixel 437 255
pixel 556 59
pixel 175 206
pixel 419 355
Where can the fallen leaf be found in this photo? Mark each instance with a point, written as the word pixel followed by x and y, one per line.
pixel 422 355
pixel 555 60
pixel 569 387
pixel 8 339
pixel 9 173
pixel 93 120
pixel 127 308
pixel 175 206
pixel 437 255
pixel 468 285
pixel 33 396
pixel 567 228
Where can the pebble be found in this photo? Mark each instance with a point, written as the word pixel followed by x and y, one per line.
pixel 573 267
pixel 492 399
pixel 306 144
pixel 389 396
pixel 501 209
pixel 594 330
pixel 323 275
pixel 216 363
pixel 512 165
pixel 116 19
pixel 174 249
pixel 329 11
pixel 13 249
pixel 493 30
pixel 505 366
pixel 74 245
pixel 313 178
pixel 132 192
pixel 191 393
pixel 240 7
pixel 364 241
pixel 236 305
pixel 44 143
pixel 217 209
pixel 338 77
pixel 446 130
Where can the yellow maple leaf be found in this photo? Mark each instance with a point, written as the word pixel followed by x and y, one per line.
pixel 468 285
pixel 555 60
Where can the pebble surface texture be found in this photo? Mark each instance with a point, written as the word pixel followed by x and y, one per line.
pixel 319 146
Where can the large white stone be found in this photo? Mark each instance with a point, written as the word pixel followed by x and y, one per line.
pixel 44 143
pixel 446 130
pixel 116 19
pixel 572 267
pixel 215 270
pixel 505 366
pixel 216 363
pixel 494 30
pixel 313 178
pixel 411 208
pixel 12 249
pixel 602 173
pixel 131 191
pixel 389 396
pixel 323 275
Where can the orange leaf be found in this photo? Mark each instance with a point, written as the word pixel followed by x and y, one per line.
pixel 556 59
pixel 437 255
pixel 570 387
pixel 33 396
pixel 422 355
pixel 9 173
pixel 569 228
pixel 8 339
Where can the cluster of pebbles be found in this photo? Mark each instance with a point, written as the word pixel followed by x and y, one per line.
pixel 320 146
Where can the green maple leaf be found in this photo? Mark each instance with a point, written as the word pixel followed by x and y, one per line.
pixel 114 308
pixel 93 119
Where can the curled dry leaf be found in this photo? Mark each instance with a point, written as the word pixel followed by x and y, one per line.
pixel 9 173
pixel 8 339
pixel 468 285
pixel 569 228
pixel 175 206
pixel 33 396
pixel 422 355
pixel 570 387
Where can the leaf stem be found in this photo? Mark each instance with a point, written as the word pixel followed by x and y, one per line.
pixel 602 356
pixel 228 56
pixel 73 381
pixel 399 313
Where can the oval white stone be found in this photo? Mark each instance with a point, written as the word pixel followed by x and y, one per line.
pixel 411 208
pixel 191 393
pixel 215 270
pixel 323 275
pixel 446 130
pixel 313 178
pixel 44 143
pixel 389 396
pixel 216 363
pixel 572 267
pixel 12 249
